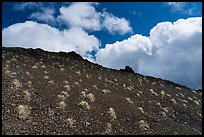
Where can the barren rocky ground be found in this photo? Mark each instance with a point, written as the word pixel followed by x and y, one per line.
pixel 61 93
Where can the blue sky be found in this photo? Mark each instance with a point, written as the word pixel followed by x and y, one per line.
pixel 93 29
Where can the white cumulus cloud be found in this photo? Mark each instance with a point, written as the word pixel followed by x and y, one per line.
pixel 172 51
pixel 84 15
pixel 114 24
pixel 81 14
pixel 35 35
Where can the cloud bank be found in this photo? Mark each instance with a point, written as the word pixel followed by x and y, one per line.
pixel 173 51
pixel 31 34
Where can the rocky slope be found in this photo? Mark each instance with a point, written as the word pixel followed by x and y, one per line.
pixel 61 93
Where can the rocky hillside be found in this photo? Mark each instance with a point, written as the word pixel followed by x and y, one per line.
pixel 61 93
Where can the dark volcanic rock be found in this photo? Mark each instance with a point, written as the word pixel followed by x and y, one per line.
pixel 128 69
pixel 61 93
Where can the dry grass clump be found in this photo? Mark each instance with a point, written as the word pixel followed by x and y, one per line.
pixel 111 113
pixel 165 109
pixel 62 105
pixel 66 82
pixel 173 101
pixel 70 121
pixel 46 77
pixel 83 94
pixel 67 87
pixel 16 84
pixel 76 83
pixel 13 74
pixel 184 105
pixel 189 98
pixel 90 97
pixel 45 72
pixel 78 72
pixel 65 94
pixel 158 104
pixel 143 125
pixel 34 67
pixel 7 72
pixel 181 94
pixel 27 73
pixel 194 91
pixel 99 77
pixel 105 91
pixel 23 111
pixel 168 95
pixel 61 97
pixel 51 111
pixel 95 87
pixel 43 66
pixel 108 128
pixel 141 109
pixel 51 82
pixel 29 83
pixel 62 69
pixel 178 88
pixel 152 92
pixel 162 93
pixel 27 95
pixel 163 114
pixel 84 105
pixel 196 102
pixel 129 101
